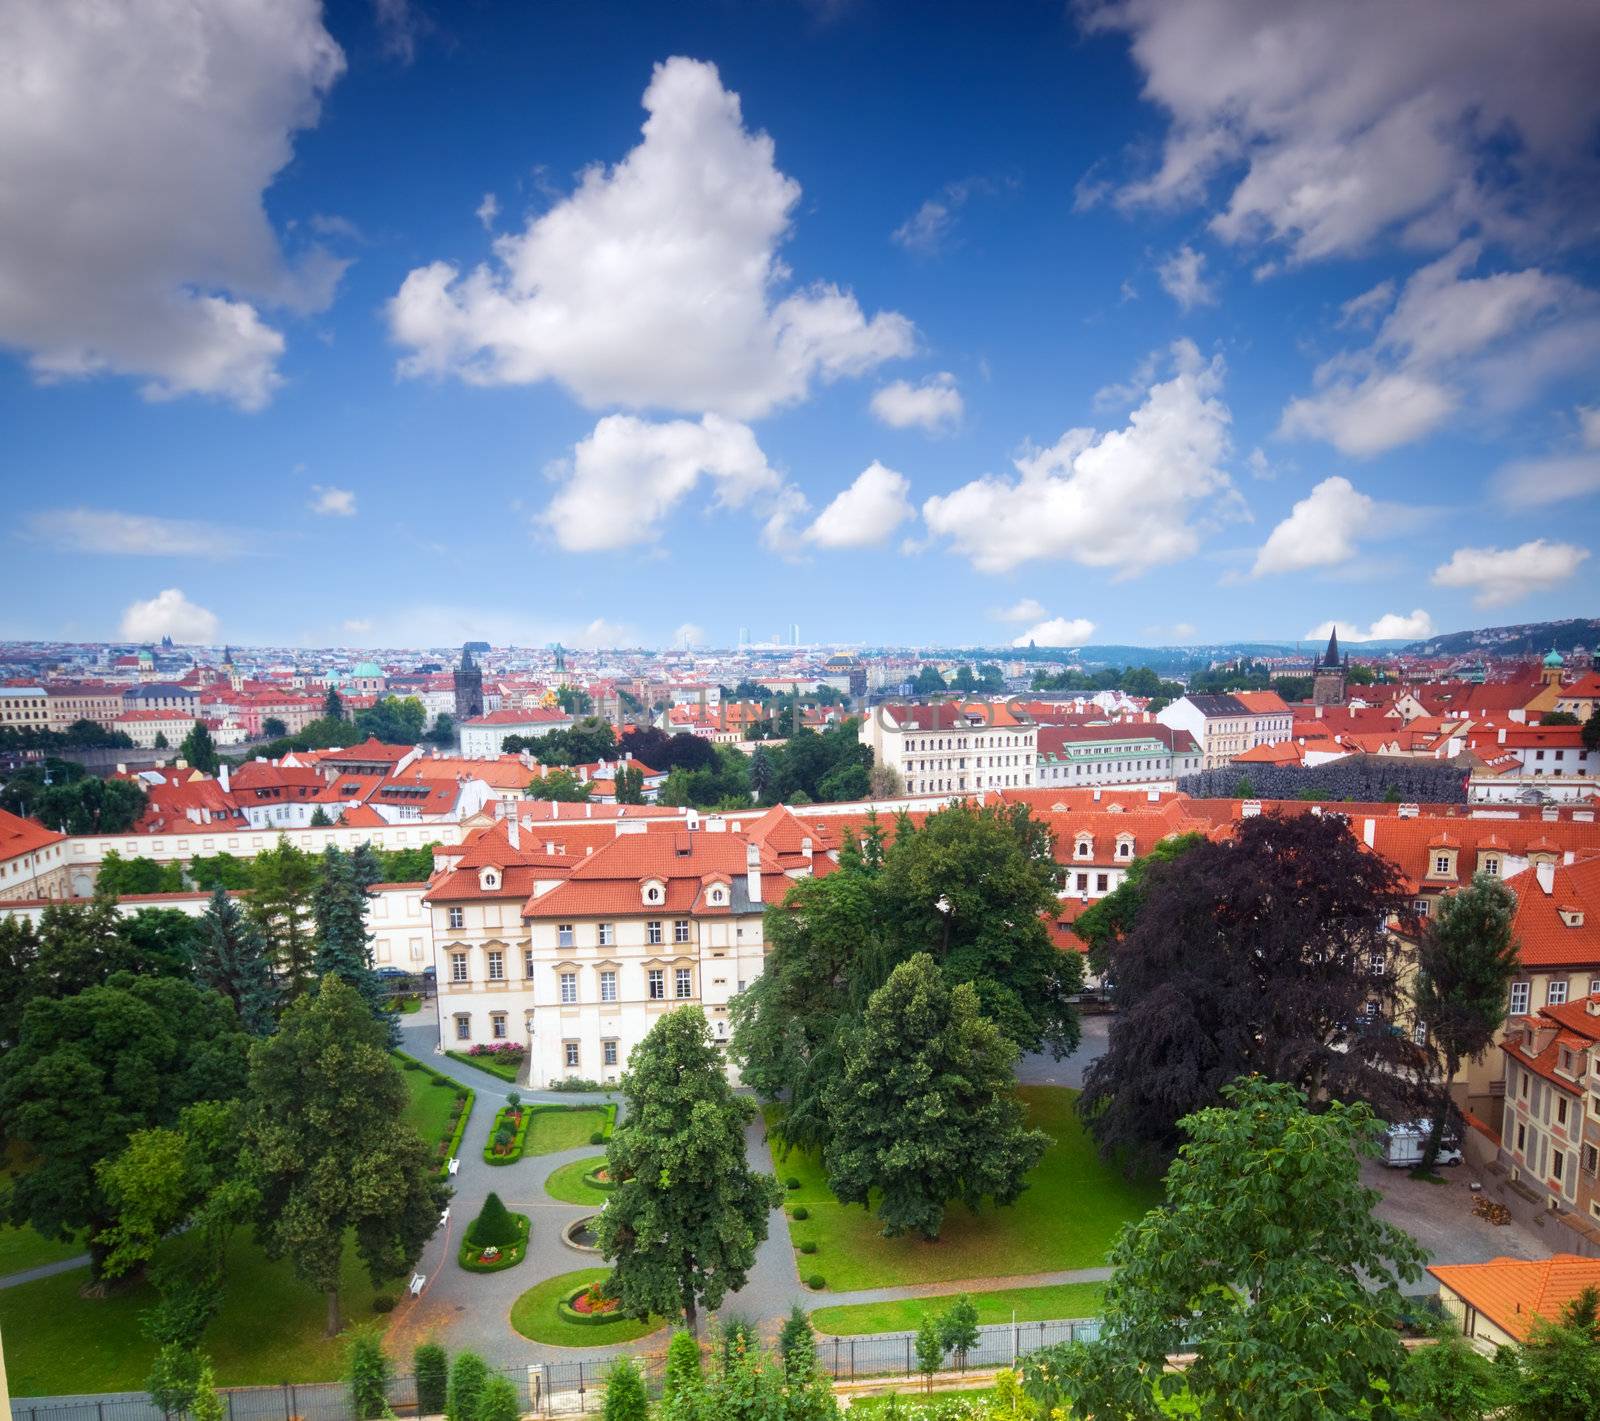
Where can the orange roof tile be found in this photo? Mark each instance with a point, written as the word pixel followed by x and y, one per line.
pixel 1512 1292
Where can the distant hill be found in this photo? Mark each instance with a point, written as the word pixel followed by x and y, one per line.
pixel 1523 639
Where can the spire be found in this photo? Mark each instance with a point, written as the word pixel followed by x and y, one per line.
pixel 1331 656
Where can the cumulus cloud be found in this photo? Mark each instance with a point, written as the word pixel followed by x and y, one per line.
pixel 601 634
pixel 1451 339
pixel 656 283
pixel 332 502
pixel 1497 576
pixel 1029 609
pixel 630 473
pixel 934 405
pixel 1329 126
pixel 866 513
pixel 1320 531
pixel 1057 631
pixel 1182 277
pixel 1123 499
pixel 357 626
pixel 168 613
pixel 689 634
pixel 1391 626
pixel 488 211
pixel 104 530
pixel 136 142
pixel 1556 477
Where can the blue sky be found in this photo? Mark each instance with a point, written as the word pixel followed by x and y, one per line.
pixel 386 324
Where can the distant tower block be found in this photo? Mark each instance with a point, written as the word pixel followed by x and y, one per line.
pixel 1327 682
pixel 469 688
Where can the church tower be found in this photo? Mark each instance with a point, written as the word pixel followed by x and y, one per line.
pixel 1328 677
pixel 469 688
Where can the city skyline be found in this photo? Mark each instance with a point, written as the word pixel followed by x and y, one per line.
pixel 1036 325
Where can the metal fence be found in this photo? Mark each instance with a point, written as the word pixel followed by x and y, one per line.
pixel 565 1388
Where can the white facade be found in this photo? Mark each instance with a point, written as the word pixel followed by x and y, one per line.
pixel 1227 725
pixel 945 749
pixel 1137 758
pixel 484 739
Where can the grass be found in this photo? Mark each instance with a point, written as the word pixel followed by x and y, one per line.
pixel 1028 1304
pixel 534 1315
pixel 568 1184
pixel 1067 1218
pixel 409 1006
pixel 268 1331
pixel 428 1108
pixel 488 1065
pixel 554 1128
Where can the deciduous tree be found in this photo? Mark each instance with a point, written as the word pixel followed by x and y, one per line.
pixel 1556 1377
pixel 683 1225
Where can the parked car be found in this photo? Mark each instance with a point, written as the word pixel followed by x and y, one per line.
pixel 1405 1144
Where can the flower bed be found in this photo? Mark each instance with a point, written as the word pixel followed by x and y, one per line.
pixel 584 1306
pixel 519 1119
pixel 476 1260
pixel 599 1178
pixel 503 1059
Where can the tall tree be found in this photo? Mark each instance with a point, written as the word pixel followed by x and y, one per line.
pixel 1556 1377
pixel 924 1110
pixel 232 959
pixel 630 785
pixel 89 1071
pixel 1265 953
pixel 344 947
pixel 443 730
pixel 1108 920
pixel 683 1226
pixel 200 749
pixel 333 704
pixel 1465 962
pixel 327 1121
pixel 280 906
pixel 1266 1263
pixel 763 774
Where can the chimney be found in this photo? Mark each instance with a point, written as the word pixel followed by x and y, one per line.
pixel 1500 738
pixel 1546 874
pixel 514 832
pixel 752 872
pixel 223 776
pixel 555 808
pixel 1369 832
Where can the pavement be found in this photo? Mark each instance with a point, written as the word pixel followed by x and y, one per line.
pixel 1440 1217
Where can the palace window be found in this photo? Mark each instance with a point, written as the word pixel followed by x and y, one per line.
pixel 564 935
pixel 652 932
pixel 463 1028
pixel 680 930
pixel 1520 992
pixel 1556 992
pixel 571 1050
pixel 684 982
pixel 497 966
pixel 658 984
pixel 608 934
pixel 569 988
pixel 458 967
pixel 608 986
pixel 458 917
pixel 608 1052
pixel 497 1025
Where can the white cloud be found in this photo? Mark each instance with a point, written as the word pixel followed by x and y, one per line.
pixel 168 613
pixel 689 634
pixel 929 228
pixel 1178 632
pixel 1500 575
pixel 136 142
pixel 1452 340
pixel 1182 277
pixel 1320 531
pixel 487 211
pixel 1259 465
pixel 934 405
pixel 401 24
pixel 1362 312
pixel 1391 626
pixel 866 513
pixel 1029 609
pixel 1120 500
pixel 655 283
pixel 1553 478
pixel 1058 631
pixel 1589 425
pixel 104 530
pixel 1331 126
pixel 332 502
pixel 357 626
pixel 629 474
pixel 601 634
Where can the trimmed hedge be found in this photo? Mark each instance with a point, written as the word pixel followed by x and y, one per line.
pixel 488 1065
pixel 593 1180
pixel 568 1313
pixel 465 1094
pixel 512 1155
pixel 467 1254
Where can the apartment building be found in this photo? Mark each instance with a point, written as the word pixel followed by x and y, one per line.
pixel 24 708
pixel 947 748
pixel 33 860
pixel 1227 725
pixel 1075 756
pixel 485 736
pixel 1523 763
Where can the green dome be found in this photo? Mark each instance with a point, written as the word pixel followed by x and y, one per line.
pixel 1555 658
pixel 366 668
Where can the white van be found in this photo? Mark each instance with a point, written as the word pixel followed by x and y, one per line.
pixel 1405 1144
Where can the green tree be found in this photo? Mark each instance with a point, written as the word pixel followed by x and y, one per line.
pixel 200 750
pixel 924 1110
pixel 1465 962
pixel 367 1370
pixel 280 906
pixel 443 730
pixel 174 1378
pixel 207 1404
pixel 344 948
pixel 1559 718
pixel 231 958
pixel 92 1069
pixel 160 742
pixel 562 785
pixel 683 1389
pixel 77 806
pixel 630 785
pixel 120 877
pixel 498 1400
pixel 763 774
pixel 1108 920
pixel 494 1225
pixel 468 1377
pixel 928 682
pixel 1449 1381
pixel 273 728
pixel 333 704
pixel 929 1348
pixel 327 1119
pixel 958 1328
pixel 683 1225
pixel 431 1369
pixel 574 701
pixel 210 872
pixel 1556 1377
pixel 625 1394
pixel 1266 1263
pixel 319 818
pixel 395 720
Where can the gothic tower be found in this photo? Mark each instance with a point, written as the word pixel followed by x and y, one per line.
pixel 1327 681
pixel 469 688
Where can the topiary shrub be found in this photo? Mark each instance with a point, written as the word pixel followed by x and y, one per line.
pixel 467 1379
pixel 411 1065
pixel 791 1183
pixel 808 1247
pixel 498 1401
pixel 816 1282
pixel 383 1302
pixel 800 1212
pixel 432 1372
pixel 598 1137
pixel 367 1370
pixel 444 1084
pixel 494 1225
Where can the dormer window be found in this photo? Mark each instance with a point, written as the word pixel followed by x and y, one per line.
pixel 653 892
pixel 488 878
pixel 717 897
pixel 1084 847
pixel 1124 848
pixel 1572 917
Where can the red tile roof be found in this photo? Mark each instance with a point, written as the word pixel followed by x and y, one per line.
pixel 24 836
pixel 1512 1292
pixel 1544 937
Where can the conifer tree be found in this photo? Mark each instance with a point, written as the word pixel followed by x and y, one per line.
pixel 625 1394
pixel 231 958
pixel 339 907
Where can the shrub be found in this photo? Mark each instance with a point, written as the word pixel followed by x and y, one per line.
pixel 800 1212
pixel 498 1401
pixel 513 1099
pixel 625 1394
pixel 808 1247
pixel 791 1183
pixel 467 1380
pixel 576 1083
pixel 432 1371
pixel 367 1369
pixel 598 1137
pixel 411 1065
pixel 444 1083
pixel 816 1282
pixel 383 1302
pixel 494 1225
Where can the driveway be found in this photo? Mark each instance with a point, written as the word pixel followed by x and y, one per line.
pixel 1040 1069
pixel 1440 1217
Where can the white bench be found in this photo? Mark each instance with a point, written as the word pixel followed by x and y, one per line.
pixel 417 1280
pixel 455 1166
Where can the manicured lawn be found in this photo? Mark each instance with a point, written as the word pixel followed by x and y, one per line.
pixel 269 1329
pixel 489 1065
pixel 428 1111
pixel 556 1128
pixel 567 1183
pixel 1067 1218
pixel 1059 1300
pixel 534 1315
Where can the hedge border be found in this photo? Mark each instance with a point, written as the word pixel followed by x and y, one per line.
pixel 604 1184
pixel 567 1313
pixel 507 1260
pixel 464 1093
pixel 518 1139
pixel 608 1109
pixel 508 1074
